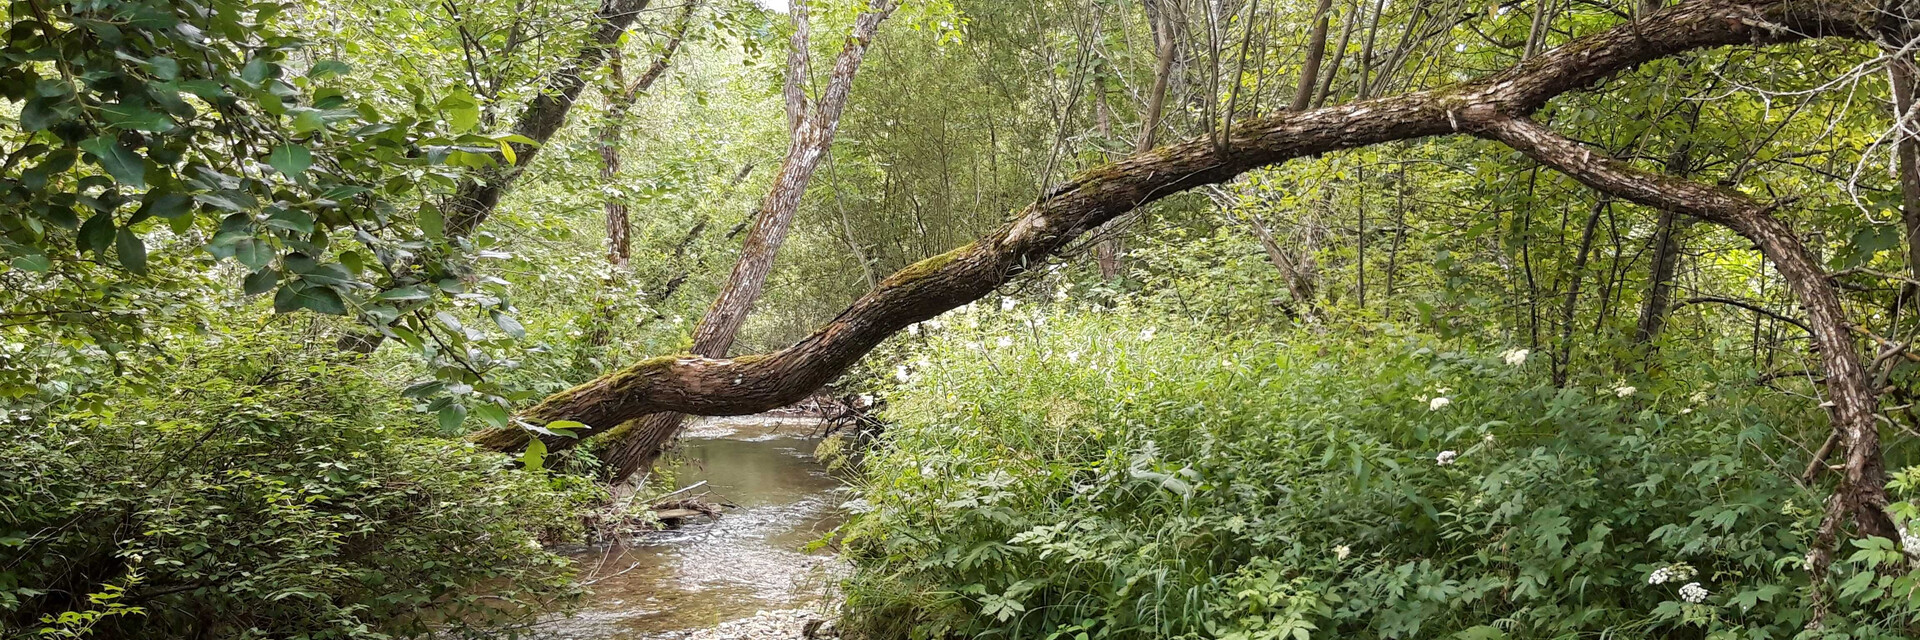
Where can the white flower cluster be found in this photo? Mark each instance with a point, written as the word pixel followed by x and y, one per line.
pixel 1446 457
pixel 1515 357
pixel 1341 552
pixel 1693 593
pixel 1438 403
pixel 1671 573
pixel 1624 391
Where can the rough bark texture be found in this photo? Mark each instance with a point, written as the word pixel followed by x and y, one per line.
pixel 1492 107
pixel 1901 73
pixel 640 443
pixel 1316 51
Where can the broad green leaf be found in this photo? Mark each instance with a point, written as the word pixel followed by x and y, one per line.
pixel 327 69
pixel 131 251
pixel 36 263
pixel 509 325
pixel 120 162
pixel 296 295
pixel 452 416
pixel 261 281
pixel 96 234
pixel 136 117
pixel 290 160
pixel 432 223
pixel 166 204
pixel 410 292
pixel 489 413
pixel 535 457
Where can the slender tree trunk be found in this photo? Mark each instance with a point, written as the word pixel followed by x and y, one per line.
pixel 612 134
pixel 1666 248
pixel 1348 24
pixel 1563 363
pixel 812 138
pixel 1901 74
pixel 1360 239
pixel 1107 254
pixel 1399 229
pixel 1316 51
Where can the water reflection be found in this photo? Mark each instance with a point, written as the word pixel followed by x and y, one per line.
pixel 751 560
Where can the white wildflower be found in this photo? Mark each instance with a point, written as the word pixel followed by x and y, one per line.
pixel 1488 439
pixel 1006 304
pixel 1438 403
pixel 1694 593
pixel 913 329
pixel 1671 573
pixel 1446 457
pixel 1341 552
pixel 1226 363
pixel 1073 357
pixel 866 399
pixel 1515 357
pixel 1146 335
pixel 1004 342
pixel 1624 391
pixel 900 373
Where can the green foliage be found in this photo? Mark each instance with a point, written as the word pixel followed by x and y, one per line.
pixel 1126 475
pixel 268 493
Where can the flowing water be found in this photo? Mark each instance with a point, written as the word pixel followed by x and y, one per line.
pixel 675 583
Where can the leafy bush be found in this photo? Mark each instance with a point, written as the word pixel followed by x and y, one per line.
pixel 1104 476
pixel 266 493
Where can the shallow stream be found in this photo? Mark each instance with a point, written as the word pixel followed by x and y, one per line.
pixel 682 583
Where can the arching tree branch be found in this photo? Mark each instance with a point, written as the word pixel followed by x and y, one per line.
pixel 748 384
pixel 1850 390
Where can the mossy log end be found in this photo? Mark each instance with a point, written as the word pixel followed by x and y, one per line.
pixel 743 385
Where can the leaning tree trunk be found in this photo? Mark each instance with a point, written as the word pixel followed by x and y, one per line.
pixel 475 197
pixel 640 443
pixel 1316 51
pixel 1494 106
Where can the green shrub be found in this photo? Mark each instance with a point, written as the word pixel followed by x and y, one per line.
pixel 267 492
pixel 1098 476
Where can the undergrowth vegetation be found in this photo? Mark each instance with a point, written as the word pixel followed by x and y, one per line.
pixel 1123 475
pixel 271 490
